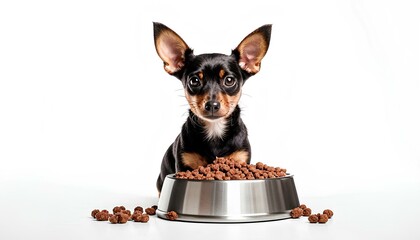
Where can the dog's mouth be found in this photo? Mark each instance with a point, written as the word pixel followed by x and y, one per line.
pixel 212 116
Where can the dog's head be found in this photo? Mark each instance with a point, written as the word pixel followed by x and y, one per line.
pixel 212 82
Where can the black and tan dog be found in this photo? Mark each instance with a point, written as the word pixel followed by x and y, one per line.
pixel 213 85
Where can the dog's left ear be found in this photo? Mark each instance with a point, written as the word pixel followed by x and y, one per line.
pixel 253 48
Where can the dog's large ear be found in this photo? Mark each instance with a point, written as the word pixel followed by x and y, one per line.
pixel 170 48
pixel 253 48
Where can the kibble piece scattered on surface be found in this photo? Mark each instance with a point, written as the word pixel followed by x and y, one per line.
pixel 150 211
pixel 144 218
pixel 172 215
pixel 154 206
pixel 94 212
pixel 138 208
pixel 121 217
pixel 118 209
pixel 303 206
pixel 102 216
pixel 323 218
pixel 136 216
pixel 128 212
pixel 313 218
pixel 307 211
pixel 328 212
pixel 113 219
pixel 296 212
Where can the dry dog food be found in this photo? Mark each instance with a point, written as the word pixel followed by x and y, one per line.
pixel 138 209
pixel 119 217
pixel 307 212
pixel 139 217
pixel 313 218
pixel 94 212
pixel 151 211
pixel 144 218
pixel 102 215
pixel 296 212
pixel 172 215
pixel 122 215
pixel 328 212
pixel 229 169
pixel 323 218
pixel 118 209
pixel 303 210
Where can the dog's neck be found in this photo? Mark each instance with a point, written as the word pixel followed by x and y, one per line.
pixel 216 129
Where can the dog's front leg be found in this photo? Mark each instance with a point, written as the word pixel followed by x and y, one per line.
pixel 192 160
pixel 240 156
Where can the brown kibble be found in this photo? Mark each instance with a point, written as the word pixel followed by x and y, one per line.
pixel 117 209
pixel 328 212
pixel 172 215
pixel 307 212
pixel 303 206
pixel 139 209
pixel 323 218
pixel 215 167
pixel 94 212
pixel 128 212
pixel 155 207
pixel 229 169
pixel 102 216
pixel 136 217
pixel 122 217
pixel 219 175
pixel 113 219
pixel 260 165
pixel 296 212
pixel 150 211
pixel 144 218
pixel 313 218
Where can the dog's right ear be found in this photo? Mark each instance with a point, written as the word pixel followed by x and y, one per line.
pixel 170 47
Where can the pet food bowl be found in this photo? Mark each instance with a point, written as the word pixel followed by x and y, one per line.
pixel 228 200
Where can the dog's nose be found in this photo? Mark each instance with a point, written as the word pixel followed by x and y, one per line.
pixel 212 106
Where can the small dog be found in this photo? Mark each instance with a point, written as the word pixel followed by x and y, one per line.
pixel 213 86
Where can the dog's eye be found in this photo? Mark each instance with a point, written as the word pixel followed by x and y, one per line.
pixel 194 82
pixel 229 81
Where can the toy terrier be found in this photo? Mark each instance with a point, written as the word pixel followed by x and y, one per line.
pixel 213 86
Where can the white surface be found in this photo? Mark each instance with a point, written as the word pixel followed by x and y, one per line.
pixel 51 211
pixel 87 112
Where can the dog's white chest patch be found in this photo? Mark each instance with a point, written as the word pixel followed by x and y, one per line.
pixel 215 129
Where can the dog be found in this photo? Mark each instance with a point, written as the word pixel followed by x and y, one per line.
pixel 213 86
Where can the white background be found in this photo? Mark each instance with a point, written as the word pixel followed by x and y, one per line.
pixel 87 112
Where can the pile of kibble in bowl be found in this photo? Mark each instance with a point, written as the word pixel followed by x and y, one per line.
pixel 229 169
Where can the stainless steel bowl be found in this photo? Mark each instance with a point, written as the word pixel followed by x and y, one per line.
pixel 228 201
